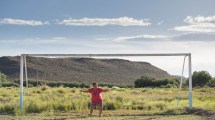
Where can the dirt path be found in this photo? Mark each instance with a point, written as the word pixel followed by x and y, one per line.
pixel 210 115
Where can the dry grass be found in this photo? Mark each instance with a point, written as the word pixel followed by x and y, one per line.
pixel 127 101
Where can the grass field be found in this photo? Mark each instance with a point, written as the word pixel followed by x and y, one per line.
pixel 120 103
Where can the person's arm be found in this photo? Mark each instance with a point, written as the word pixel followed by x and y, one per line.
pixel 106 90
pixel 85 91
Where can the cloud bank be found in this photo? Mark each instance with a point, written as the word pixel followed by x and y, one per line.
pixel 183 37
pixel 200 19
pixel 9 21
pixel 122 21
pixel 199 24
pixel 142 38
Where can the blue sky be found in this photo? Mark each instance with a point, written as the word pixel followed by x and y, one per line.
pixel 112 26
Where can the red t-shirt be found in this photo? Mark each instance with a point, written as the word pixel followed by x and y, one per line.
pixel 96 94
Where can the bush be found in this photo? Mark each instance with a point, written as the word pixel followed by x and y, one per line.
pixel 73 90
pixel 146 81
pixel 211 83
pixel 156 106
pixel 3 77
pixel 61 90
pixel 112 106
pixel 34 83
pixel 168 86
pixel 36 107
pixel 200 78
pixel 44 88
pixel 119 99
pixel 10 84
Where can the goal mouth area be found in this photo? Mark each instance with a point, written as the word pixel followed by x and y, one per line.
pixel 23 65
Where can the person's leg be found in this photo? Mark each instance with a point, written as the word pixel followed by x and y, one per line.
pixel 100 109
pixel 93 105
pixel 91 111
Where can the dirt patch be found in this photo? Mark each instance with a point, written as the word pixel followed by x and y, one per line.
pixel 198 111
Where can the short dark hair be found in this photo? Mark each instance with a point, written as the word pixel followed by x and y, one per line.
pixel 95 83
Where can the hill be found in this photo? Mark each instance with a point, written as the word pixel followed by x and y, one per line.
pixel 115 71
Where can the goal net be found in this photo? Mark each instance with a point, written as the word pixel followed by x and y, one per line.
pixel 80 70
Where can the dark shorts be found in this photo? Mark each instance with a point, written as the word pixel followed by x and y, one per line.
pixel 98 104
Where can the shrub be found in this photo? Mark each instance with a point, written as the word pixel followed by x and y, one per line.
pixel 119 99
pixel 200 78
pixel 140 107
pixel 10 84
pixel 36 107
pixel 112 105
pixel 146 81
pixel 144 90
pixel 115 88
pixel 73 90
pixel 44 88
pixel 211 83
pixel 3 77
pixel 160 106
pixel 61 90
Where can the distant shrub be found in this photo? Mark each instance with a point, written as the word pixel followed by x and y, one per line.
pixel 119 99
pixel 73 91
pixel 211 83
pixel 168 86
pixel 112 105
pixel 200 78
pixel 61 90
pixel 140 107
pixel 10 84
pixel 3 78
pixel 144 90
pixel 146 81
pixel 44 88
pixel 30 85
pixel 160 105
pixel 37 91
pixel 115 88
pixel 204 90
pixel 156 106
pixel 35 107
pixel 34 83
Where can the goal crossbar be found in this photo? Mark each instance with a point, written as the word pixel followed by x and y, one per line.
pixel 107 55
pixel 23 60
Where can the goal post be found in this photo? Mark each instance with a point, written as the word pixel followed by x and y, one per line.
pixel 23 65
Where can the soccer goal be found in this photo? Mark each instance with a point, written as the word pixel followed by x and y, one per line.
pixel 23 66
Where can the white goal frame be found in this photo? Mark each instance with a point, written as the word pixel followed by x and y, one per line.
pixel 23 64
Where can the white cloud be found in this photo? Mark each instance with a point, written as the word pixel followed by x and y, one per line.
pixel 59 38
pixel 200 19
pixel 198 24
pixel 183 37
pixel 202 28
pixel 35 41
pixel 160 23
pixel 142 38
pixel 10 21
pixel 122 21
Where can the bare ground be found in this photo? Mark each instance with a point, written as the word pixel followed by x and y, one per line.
pixel 191 114
pixel 210 115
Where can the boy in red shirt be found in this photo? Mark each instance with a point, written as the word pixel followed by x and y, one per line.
pixel 96 99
